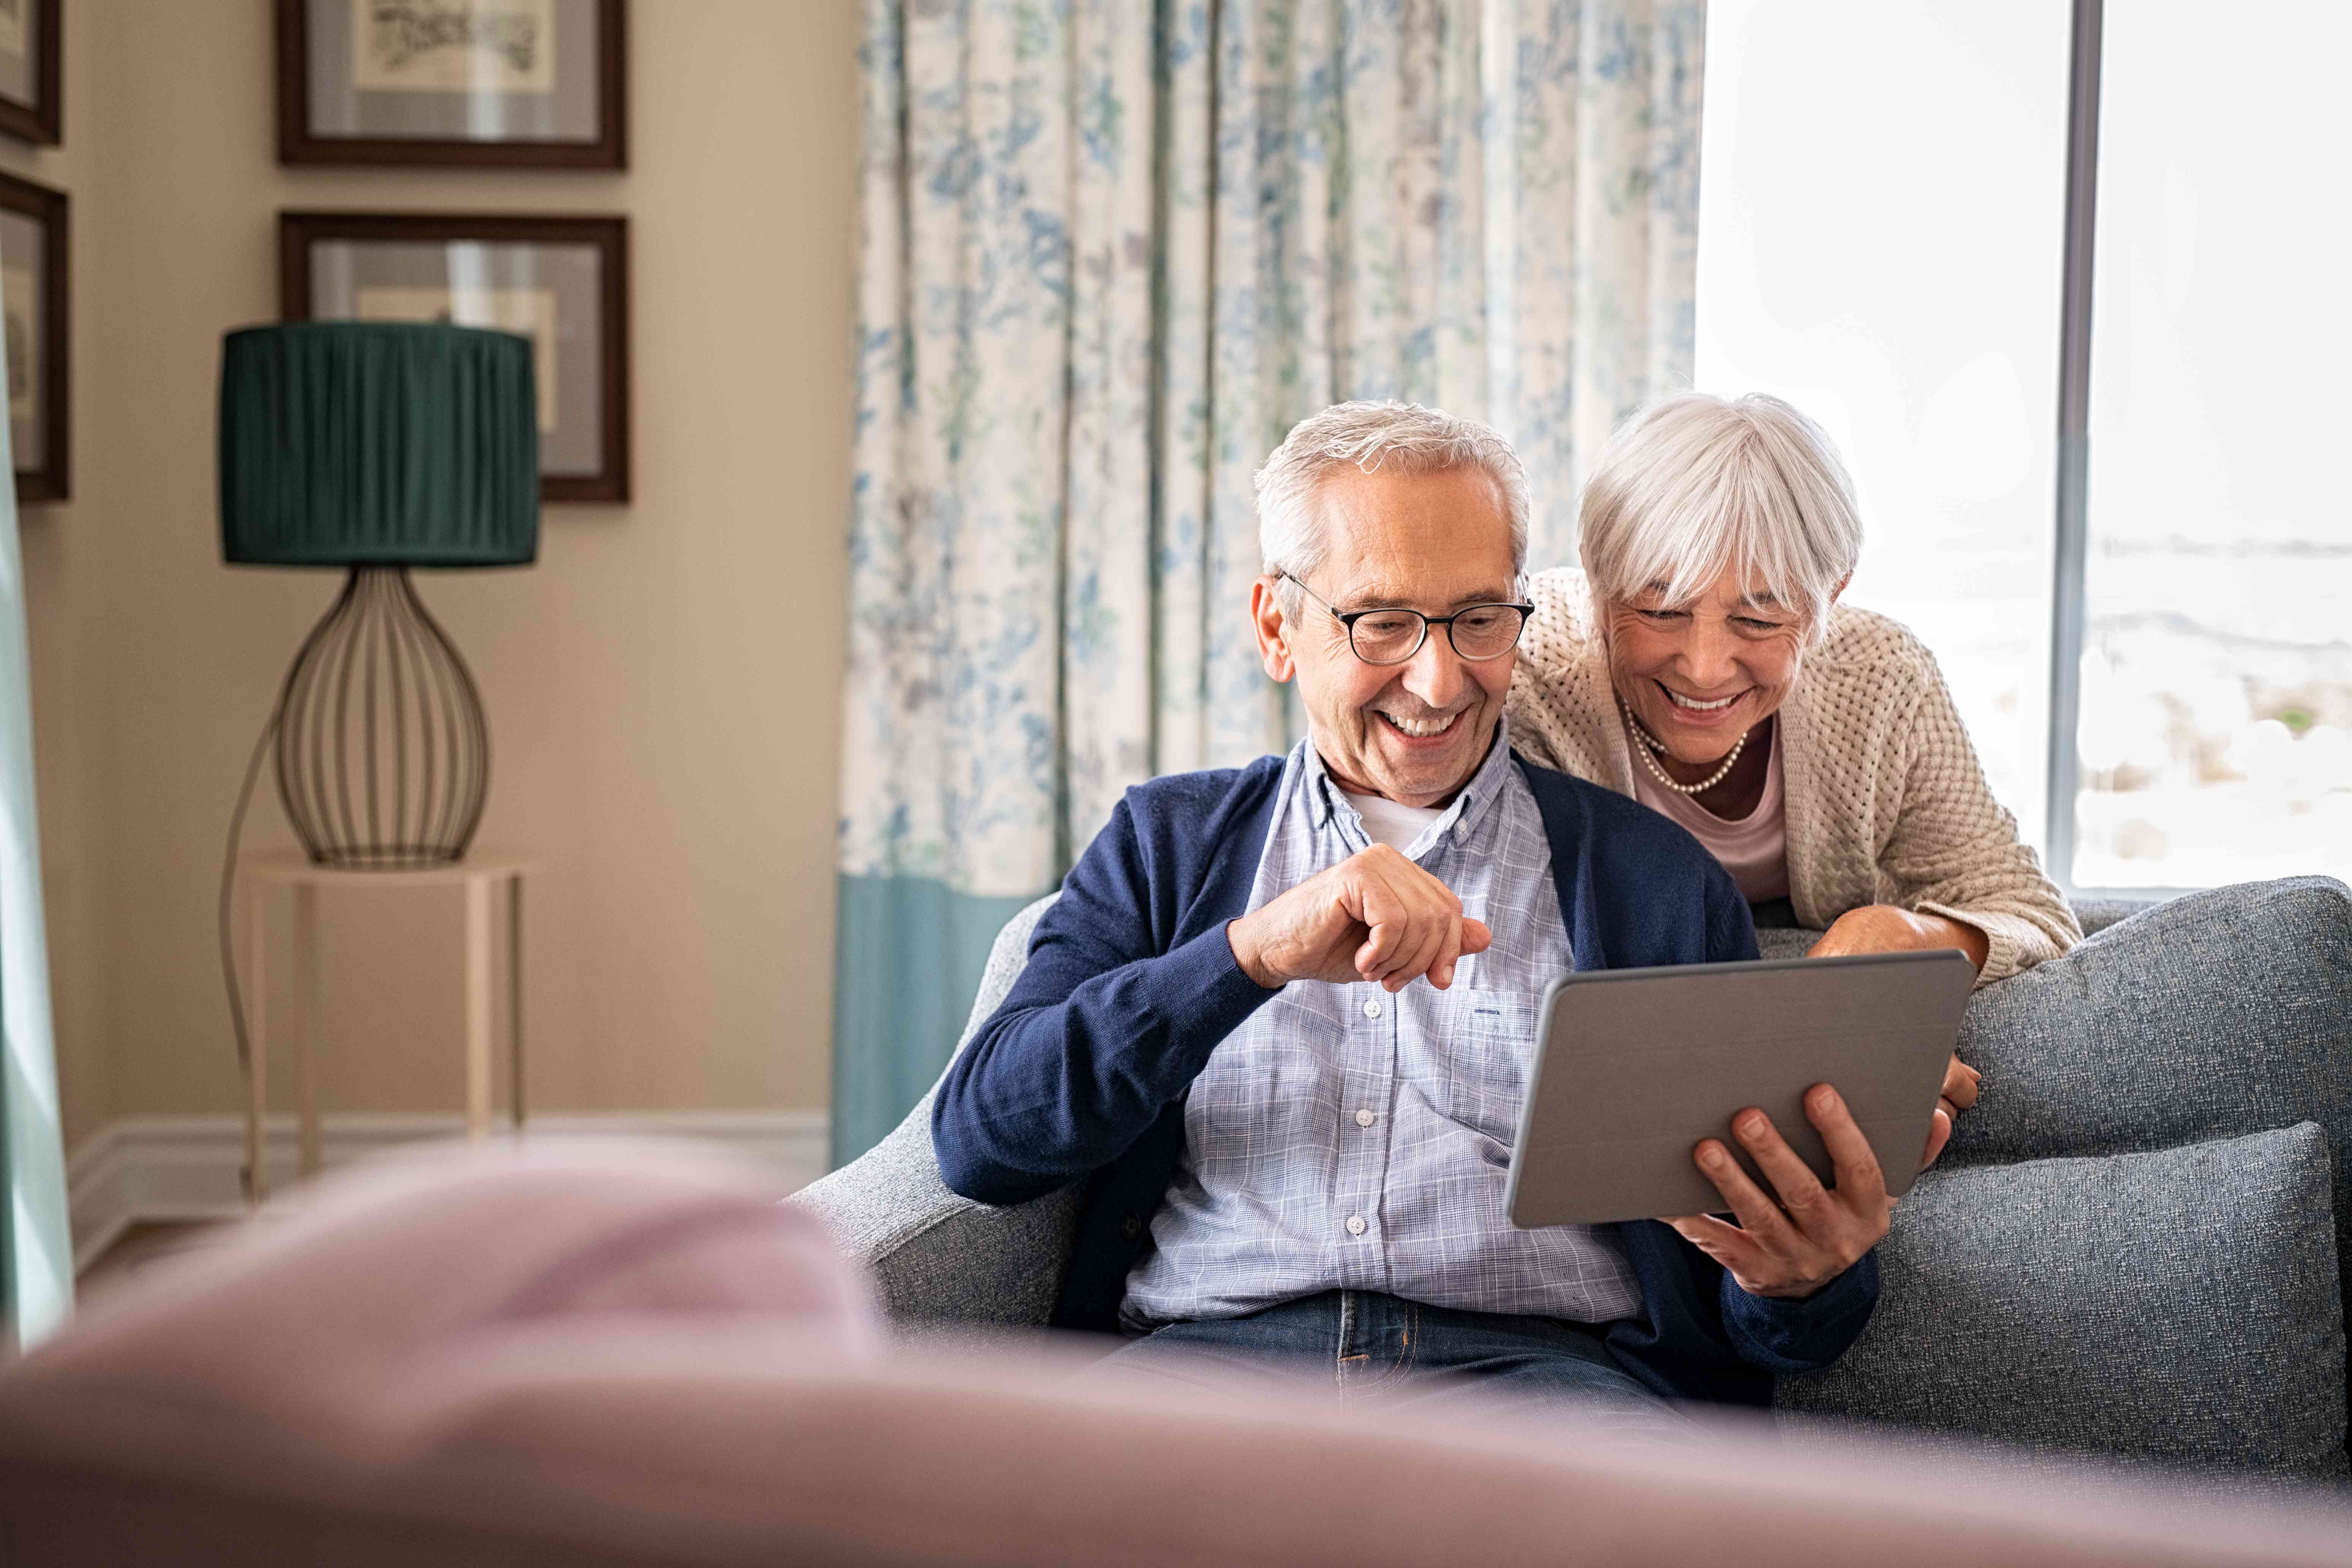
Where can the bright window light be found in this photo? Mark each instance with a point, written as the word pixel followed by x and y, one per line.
pixel 1883 192
pixel 2216 734
pixel 1881 241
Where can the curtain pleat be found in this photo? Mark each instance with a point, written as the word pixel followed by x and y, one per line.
pixel 1110 253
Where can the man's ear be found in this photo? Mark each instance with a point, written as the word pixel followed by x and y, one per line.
pixel 1273 630
pixel 1840 588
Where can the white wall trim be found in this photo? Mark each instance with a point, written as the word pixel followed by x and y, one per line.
pixel 146 1168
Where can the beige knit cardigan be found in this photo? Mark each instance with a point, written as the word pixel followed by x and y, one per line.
pixel 1885 802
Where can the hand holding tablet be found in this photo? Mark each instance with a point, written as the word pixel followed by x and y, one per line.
pixel 1802 1235
pixel 1641 1073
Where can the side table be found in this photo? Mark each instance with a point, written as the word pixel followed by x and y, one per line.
pixel 477 876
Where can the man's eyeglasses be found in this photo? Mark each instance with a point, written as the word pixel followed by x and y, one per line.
pixel 1479 633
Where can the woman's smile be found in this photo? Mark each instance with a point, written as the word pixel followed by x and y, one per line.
pixel 1713 713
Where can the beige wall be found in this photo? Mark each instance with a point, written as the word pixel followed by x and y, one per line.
pixel 663 685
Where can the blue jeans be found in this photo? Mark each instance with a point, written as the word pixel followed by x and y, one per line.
pixel 1366 1345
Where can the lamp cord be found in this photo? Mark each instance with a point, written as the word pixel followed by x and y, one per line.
pixel 228 889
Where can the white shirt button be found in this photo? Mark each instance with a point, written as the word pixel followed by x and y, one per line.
pixel 1366 1118
pixel 1372 1009
pixel 1355 1225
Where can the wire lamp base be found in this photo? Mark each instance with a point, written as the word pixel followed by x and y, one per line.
pixel 383 755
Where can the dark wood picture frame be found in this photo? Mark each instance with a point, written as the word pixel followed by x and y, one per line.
pixel 296 145
pixel 53 481
pixel 609 234
pixel 41 122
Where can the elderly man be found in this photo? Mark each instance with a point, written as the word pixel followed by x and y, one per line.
pixel 1281 1017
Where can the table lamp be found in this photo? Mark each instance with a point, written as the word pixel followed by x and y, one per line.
pixel 376 447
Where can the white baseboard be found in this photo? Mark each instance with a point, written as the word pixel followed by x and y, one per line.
pixel 147 1168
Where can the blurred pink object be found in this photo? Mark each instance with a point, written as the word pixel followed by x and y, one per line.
pixel 632 1355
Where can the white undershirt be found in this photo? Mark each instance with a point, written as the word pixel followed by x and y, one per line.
pixel 1386 822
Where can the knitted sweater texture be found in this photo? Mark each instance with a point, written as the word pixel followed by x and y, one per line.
pixel 1886 802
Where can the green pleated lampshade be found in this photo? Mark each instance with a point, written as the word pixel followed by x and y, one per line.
pixel 397 443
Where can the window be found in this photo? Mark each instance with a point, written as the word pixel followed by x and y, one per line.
pixel 1882 204
pixel 2215 741
pixel 1882 240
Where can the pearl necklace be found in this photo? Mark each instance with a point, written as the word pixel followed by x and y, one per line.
pixel 1650 744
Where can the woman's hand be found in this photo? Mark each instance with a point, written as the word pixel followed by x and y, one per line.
pixel 1959 1092
pixel 1884 928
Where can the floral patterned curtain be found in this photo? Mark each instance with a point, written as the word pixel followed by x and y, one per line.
pixel 36 1273
pixel 1111 251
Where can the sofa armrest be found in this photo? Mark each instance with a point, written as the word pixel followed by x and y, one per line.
pixel 933 1255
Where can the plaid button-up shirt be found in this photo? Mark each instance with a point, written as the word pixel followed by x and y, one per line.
pixel 1347 1139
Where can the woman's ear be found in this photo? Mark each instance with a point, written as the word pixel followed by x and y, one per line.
pixel 1273 630
pixel 1817 626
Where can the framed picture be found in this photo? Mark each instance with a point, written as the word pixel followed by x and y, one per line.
pixel 562 282
pixel 532 83
pixel 33 312
pixel 29 71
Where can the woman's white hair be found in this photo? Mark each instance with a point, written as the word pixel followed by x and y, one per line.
pixel 1697 485
pixel 1403 437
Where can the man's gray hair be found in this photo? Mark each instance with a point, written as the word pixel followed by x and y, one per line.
pixel 1696 485
pixel 1402 437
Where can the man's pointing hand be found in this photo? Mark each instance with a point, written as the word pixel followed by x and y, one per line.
pixel 1374 916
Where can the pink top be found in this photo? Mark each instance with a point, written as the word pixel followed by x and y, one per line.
pixel 1754 848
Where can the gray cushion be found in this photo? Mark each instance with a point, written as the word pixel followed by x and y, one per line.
pixel 2095 915
pixel 2217 1013
pixel 2180 1305
pixel 1785 941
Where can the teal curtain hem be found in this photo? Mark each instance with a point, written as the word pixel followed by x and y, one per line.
pixel 908 956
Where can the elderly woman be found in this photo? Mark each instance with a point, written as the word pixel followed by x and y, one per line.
pixel 1701 663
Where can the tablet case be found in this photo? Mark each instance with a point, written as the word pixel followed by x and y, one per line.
pixel 1636 1066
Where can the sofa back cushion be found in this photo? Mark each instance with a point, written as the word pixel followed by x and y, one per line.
pixel 2216 1014
pixel 2141 1305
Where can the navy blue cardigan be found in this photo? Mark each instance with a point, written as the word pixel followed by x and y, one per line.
pixel 1081 1073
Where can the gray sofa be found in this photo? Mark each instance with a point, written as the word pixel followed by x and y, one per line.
pixel 2131 1246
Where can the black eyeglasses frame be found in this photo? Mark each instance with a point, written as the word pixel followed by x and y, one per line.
pixel 1348 618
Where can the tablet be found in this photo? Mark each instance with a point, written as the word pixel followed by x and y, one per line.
pixel 1634 1067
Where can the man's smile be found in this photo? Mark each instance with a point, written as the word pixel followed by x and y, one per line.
pixel 1428 728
